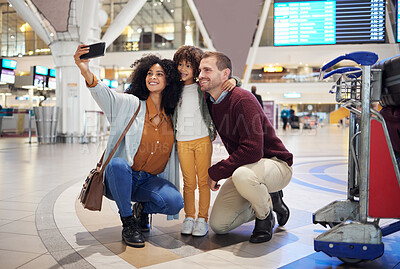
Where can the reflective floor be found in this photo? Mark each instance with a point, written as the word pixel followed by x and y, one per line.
pixel 43 226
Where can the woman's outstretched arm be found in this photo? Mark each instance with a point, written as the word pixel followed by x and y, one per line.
pixel 83 64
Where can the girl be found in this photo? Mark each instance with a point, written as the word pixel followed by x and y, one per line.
pixel 194 131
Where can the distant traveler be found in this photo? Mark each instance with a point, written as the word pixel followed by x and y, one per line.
pixel 259 99
pixel 133 173
pixel 291 113
pixel 258 166
pixel 285 114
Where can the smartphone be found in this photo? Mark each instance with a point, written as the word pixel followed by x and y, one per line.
pixel 95 50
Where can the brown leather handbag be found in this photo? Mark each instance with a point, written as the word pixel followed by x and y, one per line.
pixel 91 195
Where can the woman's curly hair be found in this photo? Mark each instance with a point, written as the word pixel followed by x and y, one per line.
pixel 190 54
pixel 172 92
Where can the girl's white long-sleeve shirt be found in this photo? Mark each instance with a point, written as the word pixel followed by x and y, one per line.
pixel 190 124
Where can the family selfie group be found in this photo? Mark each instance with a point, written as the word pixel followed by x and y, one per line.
pixel 176 109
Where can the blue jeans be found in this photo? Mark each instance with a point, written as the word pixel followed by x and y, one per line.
pixel 123 185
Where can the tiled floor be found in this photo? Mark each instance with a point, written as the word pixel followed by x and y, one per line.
pixel 43 226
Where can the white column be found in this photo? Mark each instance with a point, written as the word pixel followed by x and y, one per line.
pixel 124 17
pixel 87 21
pixel 72 95
pixel 178 25
pixel 256 43
pixel 201 26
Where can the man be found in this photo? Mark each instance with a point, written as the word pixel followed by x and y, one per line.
pixel 258 97
pixel 258 166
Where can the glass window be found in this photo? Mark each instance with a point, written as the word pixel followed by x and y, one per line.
pixel 17 37
pixel 160 24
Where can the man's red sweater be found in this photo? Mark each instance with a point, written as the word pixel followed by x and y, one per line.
pixel 246 133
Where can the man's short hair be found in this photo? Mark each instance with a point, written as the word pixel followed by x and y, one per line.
pixel 223 61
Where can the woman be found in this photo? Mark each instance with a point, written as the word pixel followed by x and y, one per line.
pixel 132 174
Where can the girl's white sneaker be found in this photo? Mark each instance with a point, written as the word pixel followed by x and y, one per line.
pixel 187 226
pixel 200 227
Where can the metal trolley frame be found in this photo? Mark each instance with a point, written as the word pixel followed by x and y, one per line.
pixel 355 235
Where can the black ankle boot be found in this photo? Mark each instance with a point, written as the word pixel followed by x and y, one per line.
pixel 130 233
pixel 280 208
pixel 263 229
pixel 141 217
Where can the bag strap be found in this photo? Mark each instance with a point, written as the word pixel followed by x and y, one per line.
pixel 118 142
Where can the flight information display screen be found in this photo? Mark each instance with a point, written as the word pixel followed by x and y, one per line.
pixel 316 22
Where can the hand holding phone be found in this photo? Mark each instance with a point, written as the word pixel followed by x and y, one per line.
pixel 95 50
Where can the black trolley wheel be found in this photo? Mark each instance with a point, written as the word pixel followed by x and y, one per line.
pixel 350 260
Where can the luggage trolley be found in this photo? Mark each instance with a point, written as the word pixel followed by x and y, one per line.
pixel 373 190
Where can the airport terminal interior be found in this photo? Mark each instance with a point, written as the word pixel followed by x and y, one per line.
pixel 299 55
